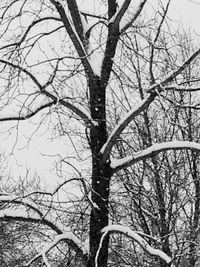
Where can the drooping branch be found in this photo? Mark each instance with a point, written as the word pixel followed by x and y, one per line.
pixel 66 237
pixel 31 210
pixel 136 237
pixel 152 151
pixel 27 211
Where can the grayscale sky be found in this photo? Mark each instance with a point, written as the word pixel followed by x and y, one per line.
pixel 185 13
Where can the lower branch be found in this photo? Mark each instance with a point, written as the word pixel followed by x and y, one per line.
pixel 152 150
pixel 136 237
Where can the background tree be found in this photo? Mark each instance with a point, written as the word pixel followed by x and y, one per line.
pixel 106 81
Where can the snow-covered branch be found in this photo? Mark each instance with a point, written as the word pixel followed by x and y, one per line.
pixel 143 105
pixel 78 21
pixel 67 237
pixel 151 151
pixel 27 211
pixel 136 237
pixel 134 16
pixel 115 20
pixel 78 44
pixel 124 122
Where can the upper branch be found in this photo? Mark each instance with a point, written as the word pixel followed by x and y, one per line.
pixel 78 111
pixel 152 47
pixel 112 40
pixel 28 30
pixel 170 77
pixel 112 8
pixel 74 37
pixel 143 105
pixel 114 32
pixel 77 21
pixel 115 20
pixel 152 151
pixel 134 16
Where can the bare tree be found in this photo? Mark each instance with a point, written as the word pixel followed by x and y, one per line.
pixel 59 57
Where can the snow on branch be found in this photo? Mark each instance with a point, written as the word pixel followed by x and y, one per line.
pixel 136 237
pixel 78 44
pixel 153 90
pixel 19 214
pixel 124 122
pixel 27 211
pixel 134 16
pixel 151 151
pixel 6 199
pixel 69 237
pixel 115 20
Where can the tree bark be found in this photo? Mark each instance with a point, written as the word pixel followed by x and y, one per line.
pixel 101 174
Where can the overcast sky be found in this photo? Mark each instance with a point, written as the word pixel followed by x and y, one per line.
pixel 184 12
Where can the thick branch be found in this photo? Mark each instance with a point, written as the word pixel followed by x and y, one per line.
pixel 134 16
pixel 152 151
pixel 112 8
pixel 111 43
pixel 115 20
pixel 76 17
pixel 74 37
pixel 143 105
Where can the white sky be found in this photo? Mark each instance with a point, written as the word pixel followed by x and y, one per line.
pixel 185 12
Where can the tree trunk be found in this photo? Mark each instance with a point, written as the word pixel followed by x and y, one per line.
pixel 101 174
pixel 195 224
